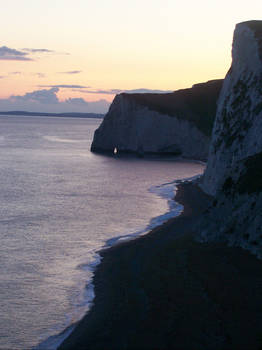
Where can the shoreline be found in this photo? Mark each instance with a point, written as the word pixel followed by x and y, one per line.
pixel 174 209
pixel 162 290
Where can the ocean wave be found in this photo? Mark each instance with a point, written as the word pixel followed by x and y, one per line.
pixel 60 139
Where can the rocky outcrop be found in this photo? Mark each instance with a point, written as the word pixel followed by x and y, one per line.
pixel 173 123
pixel 234 169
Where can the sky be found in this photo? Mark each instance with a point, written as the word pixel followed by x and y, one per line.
pixel 64 55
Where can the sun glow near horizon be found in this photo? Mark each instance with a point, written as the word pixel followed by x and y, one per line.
pixel 88 49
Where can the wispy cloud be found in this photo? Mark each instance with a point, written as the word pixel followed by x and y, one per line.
pixel 14 73
pixel 147 91
pixel 39 75
pixel 9 54
pixel 2 76
pixel 38 50
pixel 71 72
pixel 104 92
pixel 66 86
pixel 118 91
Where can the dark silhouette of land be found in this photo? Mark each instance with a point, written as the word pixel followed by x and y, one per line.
pixel 43 114
pixel 167 291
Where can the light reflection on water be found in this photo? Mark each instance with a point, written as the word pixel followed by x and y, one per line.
pixel 59 205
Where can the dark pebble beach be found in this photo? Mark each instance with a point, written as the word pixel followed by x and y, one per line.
pixel 165 290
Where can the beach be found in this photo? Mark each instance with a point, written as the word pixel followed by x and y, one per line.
pixel 165 290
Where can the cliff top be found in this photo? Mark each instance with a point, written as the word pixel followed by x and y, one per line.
pixel 196 104
pixel 256 27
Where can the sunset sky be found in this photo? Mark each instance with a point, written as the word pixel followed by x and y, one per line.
pixel 64 55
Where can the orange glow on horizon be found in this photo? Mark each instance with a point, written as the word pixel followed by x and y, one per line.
pixel 116 45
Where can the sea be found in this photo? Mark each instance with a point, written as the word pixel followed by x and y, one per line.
pixel 59 205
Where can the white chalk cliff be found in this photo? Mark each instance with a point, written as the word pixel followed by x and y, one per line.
pixel 234 168
pixel 174 123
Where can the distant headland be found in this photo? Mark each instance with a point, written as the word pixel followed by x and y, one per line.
pixel 177 123
pixel 43 114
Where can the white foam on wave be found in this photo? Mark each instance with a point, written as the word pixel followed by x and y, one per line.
pixel 166 191
pixel 59 139
pixel 53 342
pixel 86 302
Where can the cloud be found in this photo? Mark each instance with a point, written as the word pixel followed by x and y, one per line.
pixel 46 100
pixel 13 55
pixel 9 54
pixel 39 96
pixel 118 91
pixel 76 101
pixel 105 92
pixel 66 86
pixel 2 76
pixel 71 72
pixel 33 51
pixel 40 75
pixel 38 50
pixel 147 91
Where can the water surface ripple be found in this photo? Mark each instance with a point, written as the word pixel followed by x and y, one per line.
pixel 59 205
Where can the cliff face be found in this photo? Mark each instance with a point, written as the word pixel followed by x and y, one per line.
pixel 174 123
pixel 234 169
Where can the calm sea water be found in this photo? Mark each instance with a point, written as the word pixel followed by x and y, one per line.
pixel 59 205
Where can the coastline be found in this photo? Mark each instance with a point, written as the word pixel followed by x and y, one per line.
pixel 165 191
pixel 166 291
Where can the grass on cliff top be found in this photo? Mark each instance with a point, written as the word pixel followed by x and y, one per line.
pixel 256 26
pixel 196 104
